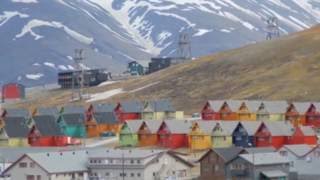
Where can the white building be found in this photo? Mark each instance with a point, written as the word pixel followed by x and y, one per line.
pixel 68 165
pixel 137 165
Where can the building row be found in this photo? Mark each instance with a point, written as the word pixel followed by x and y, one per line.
pixel 99 164
pixel 304 113
pixel 200 135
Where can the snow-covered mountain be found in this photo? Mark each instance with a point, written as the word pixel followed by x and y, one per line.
pixel 38 37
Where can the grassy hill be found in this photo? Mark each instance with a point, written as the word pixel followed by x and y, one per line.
pixel 287 68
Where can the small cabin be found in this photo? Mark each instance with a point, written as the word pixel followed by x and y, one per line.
pixel 297 111
pixel 160 110
pixel 229 110
pixel 148 133
pixel 130 110
pixel 243 135
pixel 128 136
pixel 72 121
pixel 248 110
pixel 14 133
pixel 13 91
pixel 272 111
pixel 211 110
pixel 222 134
pixel 200 135
pixel 303 135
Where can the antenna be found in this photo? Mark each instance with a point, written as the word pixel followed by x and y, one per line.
pixel 272 28
pixel 184 49
pixel 78 75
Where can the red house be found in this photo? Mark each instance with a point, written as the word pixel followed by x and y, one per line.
pixel 130 110
pixel 211 110
pixel 313 116
pixel 297 112
pixel 303 135
pixel 46 132
pixel 274 134
pixel 13 91
pixel 173 134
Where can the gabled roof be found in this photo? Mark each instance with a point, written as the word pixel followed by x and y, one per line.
pixel 250 126
pixel 228 153
pixel 206 126
pixel 47 125
pixel 265 158
pixel 279 128
pixel 216 104
pixel 162 105
pixel 260 150
pixel 16 127
pixel 134 126
pixel 276 107
pixel 123 153
pixel 74 119
pixel 105 118
pixel 48 111
pixel 132 106
pixel 153 125
pixel 234 105
pixel 252 106
pixel 227 127
pixel 298 150
pixel 17 112
pixel 73 110
pixel 307 131
pixel 301 107
pixel 178 126
pixel 104 107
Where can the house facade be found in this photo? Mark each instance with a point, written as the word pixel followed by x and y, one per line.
pixel 248 110
pixel 229 110
pixel 160 110
pixel 130 110
pixel 200 135
pixel 272 111
pixel 72 120
pixel 129 133
pixel 148 133
pixel 297 112
pixel 221 135
pixel 14 133
pixel 211 110
pixel 243 135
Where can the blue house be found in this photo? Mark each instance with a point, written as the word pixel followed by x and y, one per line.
pixel 243 135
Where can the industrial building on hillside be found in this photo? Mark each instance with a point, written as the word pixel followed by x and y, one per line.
pixel 160 63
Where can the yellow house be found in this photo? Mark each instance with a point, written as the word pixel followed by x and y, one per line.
pixel 272 111
pixel 248 110
pixel 14 133
pixel 200 135
pixel 222 133
pixel 160 110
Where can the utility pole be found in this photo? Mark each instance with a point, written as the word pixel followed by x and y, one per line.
pixel 184 46
pixel 78 75
pixel 122 165
pixel 272 28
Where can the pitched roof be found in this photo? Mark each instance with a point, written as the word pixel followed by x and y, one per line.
pixel 298 149
pixel 301 107
pixel 234 105
pixel 48 111
pixel 252 106
pixel 104 107
pixel 276 107
pixel 228 153
pixel 105 118
pixel 250 126
pixel 216 104
pixel 17 112
pixel 47 125
pixel 132 106
pixel 123 153
pixel 178 126
pixel 162 105
pixel 153 125
pixel 74 119
pixel 73 110
pixel 264 158
pixel 279 128
pixel 227 127
pixel 307 131
pixel 134 126
pixel 206 126
pixel 260 150
pixel 16 127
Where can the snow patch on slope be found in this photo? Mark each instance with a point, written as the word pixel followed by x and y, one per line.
pixel 7 15
pixel 34 76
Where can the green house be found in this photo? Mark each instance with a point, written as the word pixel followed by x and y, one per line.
pixel 135 69
pixel 72 121
pixel 129 133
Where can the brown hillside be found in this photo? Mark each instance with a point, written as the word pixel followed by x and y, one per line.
pixel 287 68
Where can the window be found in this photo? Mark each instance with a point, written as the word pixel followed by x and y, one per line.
pixel 32 164
pixel 107 174
pixel 30 177
pixel 132 175
pixel 138 161
pixel 283 153
pixel 131 161
pixel 154 174
pixel 138 174
pixel 38 177
pixel 23 165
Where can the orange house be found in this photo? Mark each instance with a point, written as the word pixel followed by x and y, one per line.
pixel 229 110
pixel 296 112
pixel 248 110
pixel 148 133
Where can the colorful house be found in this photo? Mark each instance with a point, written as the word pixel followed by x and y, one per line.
pixel 46 132
pixel 211 110
pixel 248 110
pixel 296 112
pixel 313 116
pixel 229 110
pixel 173 134
pixel 243 135
pixel 72 121
pixel 272 111
pixel 13 91
pixel 273 134
pixel 200 135
pixel 160 110
pixel 148 133
pixel 101 118
pixel 129 133
pixel 14 133
pixel 130 110
pixel 222 134
pixel 303 135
